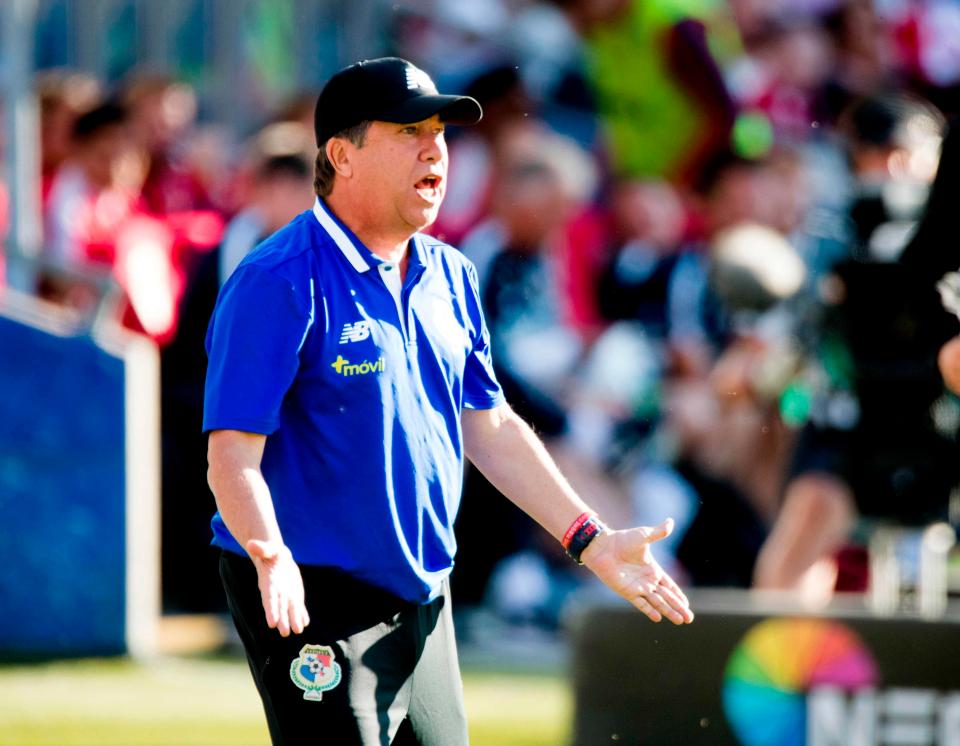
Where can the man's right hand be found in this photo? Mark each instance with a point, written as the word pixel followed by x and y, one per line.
pixel 281 586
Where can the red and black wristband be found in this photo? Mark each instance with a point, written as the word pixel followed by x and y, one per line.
pixel 582 531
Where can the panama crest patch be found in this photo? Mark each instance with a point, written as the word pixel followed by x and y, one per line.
pixel 315 671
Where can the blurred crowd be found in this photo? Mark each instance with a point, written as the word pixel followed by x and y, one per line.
pixel 708 236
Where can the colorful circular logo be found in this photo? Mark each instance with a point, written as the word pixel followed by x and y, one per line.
pixel 769 673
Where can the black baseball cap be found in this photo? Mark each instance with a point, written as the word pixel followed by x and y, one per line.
pixel 387 89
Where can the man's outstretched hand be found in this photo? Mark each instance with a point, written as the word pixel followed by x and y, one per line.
pixel 623 560
pixel 281 586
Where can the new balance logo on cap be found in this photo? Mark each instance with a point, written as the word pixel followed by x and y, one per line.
pixel 356 332
pixel 417 78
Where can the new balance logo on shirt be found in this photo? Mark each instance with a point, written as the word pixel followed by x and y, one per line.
pixel 356 332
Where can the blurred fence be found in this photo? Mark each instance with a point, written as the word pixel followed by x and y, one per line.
pixel 243 56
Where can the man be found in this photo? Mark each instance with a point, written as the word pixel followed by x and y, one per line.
pixel 349 372
pixel 89 197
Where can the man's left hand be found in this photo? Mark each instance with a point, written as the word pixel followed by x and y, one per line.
pixel 623 560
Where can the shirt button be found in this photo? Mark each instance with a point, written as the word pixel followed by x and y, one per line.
pixel 387 267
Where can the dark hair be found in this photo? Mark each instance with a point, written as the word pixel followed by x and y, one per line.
pixel 882 120
pixel 105 115
pixel 323 173
pixel 286 166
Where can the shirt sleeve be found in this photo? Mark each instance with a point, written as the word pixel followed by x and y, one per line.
pixel 481 390
pixel 253 345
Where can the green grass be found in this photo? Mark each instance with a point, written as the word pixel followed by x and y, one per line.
pixel 201 702
pixel 517 709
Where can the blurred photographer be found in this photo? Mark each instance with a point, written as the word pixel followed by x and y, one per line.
pixel 880 441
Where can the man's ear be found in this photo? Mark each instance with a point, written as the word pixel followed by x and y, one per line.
pixel 338 153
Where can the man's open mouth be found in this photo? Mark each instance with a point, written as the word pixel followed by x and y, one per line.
pixel 429 185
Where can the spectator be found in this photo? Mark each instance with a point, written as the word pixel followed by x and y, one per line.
pixel 794 57
pixel 518 251
pixel 716 407
pixel 162 110
pixel 732 450
pixel 875 445
pixel 63 95
pixel 652 277
pixel 282 187
pixel 459 40
pixel 864 61
pixel 893 145
pixel 924 44
pixel 92 195
pixel 659 89
pixel 477 152
pixel 546 38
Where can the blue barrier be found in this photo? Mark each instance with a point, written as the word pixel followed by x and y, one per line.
pixel 63 495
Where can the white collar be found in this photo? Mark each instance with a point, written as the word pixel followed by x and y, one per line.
pixel 340 238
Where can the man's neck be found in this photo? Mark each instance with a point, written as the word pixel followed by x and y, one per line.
pixel 389 245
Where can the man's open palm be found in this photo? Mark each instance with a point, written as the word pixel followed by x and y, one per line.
pixel 624 562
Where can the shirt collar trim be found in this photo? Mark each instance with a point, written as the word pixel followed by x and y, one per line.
pixel 339 236
pixel 349 248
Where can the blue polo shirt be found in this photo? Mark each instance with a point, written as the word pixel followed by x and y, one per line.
pixel 358 383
